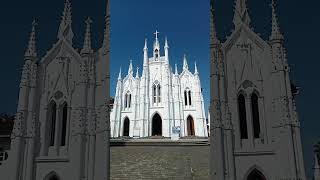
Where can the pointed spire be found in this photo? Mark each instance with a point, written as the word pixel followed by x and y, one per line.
pixel 87 39
pixel 241 15
pixel 31 50
pixel 145 44
pixel 130 71
pixel 275 34
pixel 107 26
pixel 185 63
pixel 166 51
pixel 119 77
pixel 166 45
pixel 195 68
pixel 137 73
pixel 65 29
pixel 214 37
pixel 176 69
pixel 145 53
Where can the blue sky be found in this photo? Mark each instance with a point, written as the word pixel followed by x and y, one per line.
pixel 185 23
pixel 186 26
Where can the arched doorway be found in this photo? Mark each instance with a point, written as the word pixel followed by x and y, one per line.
pixel 52 176
pixel 190 126
pixel 156 125
pixel 256 175
pixel 126 127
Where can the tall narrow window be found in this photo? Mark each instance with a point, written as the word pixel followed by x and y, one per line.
pixel 53 110
pixel 64 124
pixel 126 101
pixel 242 117
pixel 159 93
pixel 255 115
pixel 185 98
pixel 154 94
pixel 189 97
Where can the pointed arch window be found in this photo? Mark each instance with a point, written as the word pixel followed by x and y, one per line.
pixel 156 53
pixel 187 97
pixel 242 116
pixel 52 116
pixel 255 115
pixel 159 93
pixel 127 100
pixel 64 124
pixel 156 93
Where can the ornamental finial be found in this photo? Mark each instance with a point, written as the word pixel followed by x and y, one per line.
pixel 31 50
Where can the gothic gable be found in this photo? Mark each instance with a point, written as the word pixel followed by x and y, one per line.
pixel 247 57
pixel 61 47
pixel 61 69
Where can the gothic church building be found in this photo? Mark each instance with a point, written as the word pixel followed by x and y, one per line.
pixel 159 101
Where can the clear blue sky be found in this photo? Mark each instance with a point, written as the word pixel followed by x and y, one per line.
pixel 185 23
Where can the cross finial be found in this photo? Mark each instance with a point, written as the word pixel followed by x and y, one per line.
pixel 34 23
pixel 156 33
pixel 88 21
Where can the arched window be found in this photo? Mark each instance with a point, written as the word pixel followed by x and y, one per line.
pixel 156 93
pixel 53 115
pixel 242 117
pixel 187 97
pixel 159 93
pixel 64 124
pixel 127 100
pixel 255 115
pixel 156 54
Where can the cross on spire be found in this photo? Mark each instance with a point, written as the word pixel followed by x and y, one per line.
pixel 156 33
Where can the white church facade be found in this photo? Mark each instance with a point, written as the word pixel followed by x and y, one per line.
pixel 64 119
pixel 159 101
